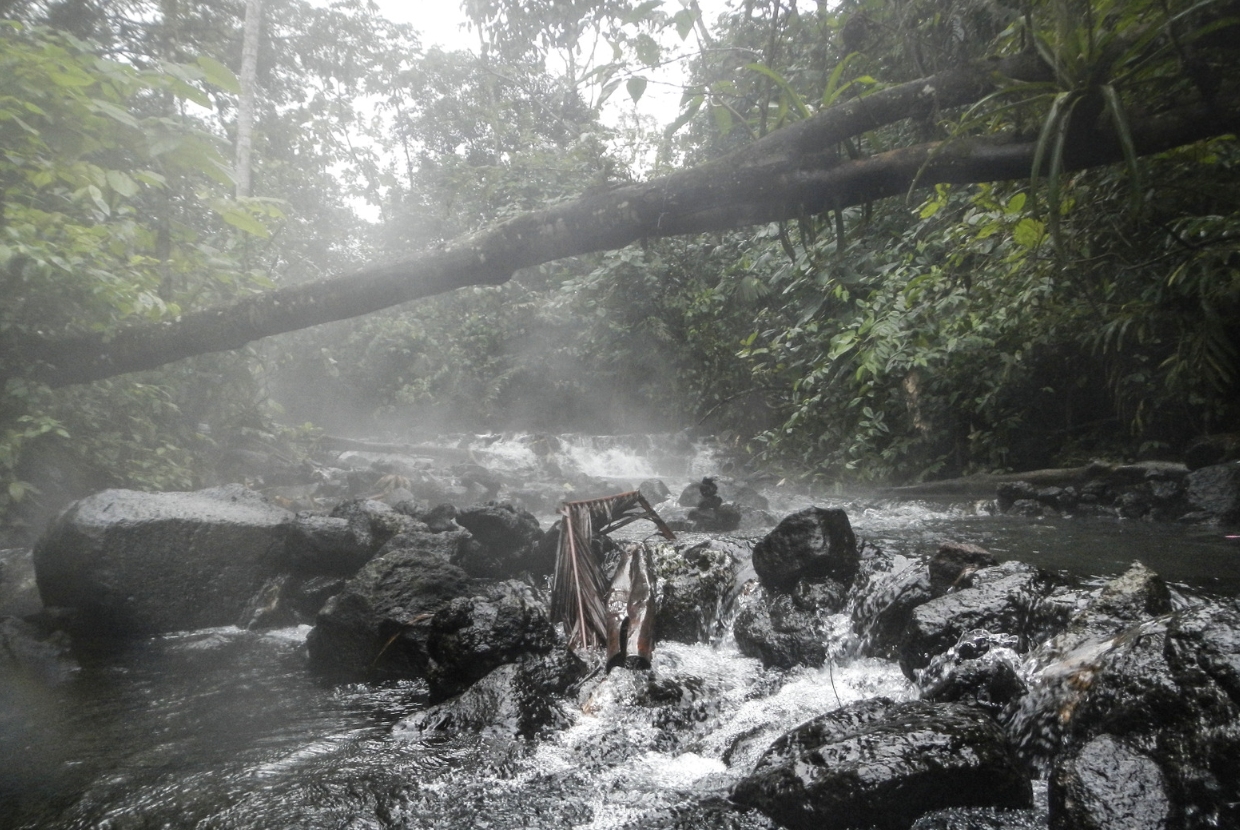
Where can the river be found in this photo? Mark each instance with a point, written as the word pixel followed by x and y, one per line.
pixel 224 728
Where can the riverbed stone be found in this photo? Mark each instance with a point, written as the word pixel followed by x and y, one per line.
pixel 953 565
pixel 1004 599
pixel 875 763
pixel 506 542
pixel 882 598
pixel 377 626
pixel 780 632
pixel 1108 785
pixel 523 698
pixel 814 543
pixel 1213 493
pixel 471 636
pixel 134 564
pixel 695 590
pixel 19 589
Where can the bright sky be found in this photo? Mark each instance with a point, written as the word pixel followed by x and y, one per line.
pixel 441 23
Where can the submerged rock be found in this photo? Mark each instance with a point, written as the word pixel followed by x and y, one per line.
pixel 135 564
pixel 881 764
pixel 814 543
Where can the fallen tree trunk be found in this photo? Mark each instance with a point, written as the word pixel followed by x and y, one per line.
pixel 793 172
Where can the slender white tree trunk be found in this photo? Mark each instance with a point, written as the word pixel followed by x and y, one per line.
pixel 245 108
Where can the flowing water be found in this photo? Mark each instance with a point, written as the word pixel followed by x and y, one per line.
pixel 224 728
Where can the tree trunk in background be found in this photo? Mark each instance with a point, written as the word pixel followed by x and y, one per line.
pixel 245 107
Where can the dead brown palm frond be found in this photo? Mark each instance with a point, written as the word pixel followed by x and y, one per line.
pixel 577 595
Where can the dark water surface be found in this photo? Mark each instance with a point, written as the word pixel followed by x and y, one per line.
pixel 224 728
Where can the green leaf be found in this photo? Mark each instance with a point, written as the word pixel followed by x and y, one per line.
pixel 723 119
pixel 787 89
pixel 238 218
pixel 684 20
pixel 219 74
pixel 122 184
pixel 636 88
pixel 1016 204
pixel 1029 233
pixel 648 50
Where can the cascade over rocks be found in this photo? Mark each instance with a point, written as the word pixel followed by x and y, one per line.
pixel 813 544
pixel 134 564
pixel 875 763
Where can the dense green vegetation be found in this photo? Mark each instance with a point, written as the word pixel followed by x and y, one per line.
pixel 1006 325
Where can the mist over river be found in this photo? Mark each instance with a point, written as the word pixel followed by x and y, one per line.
pixel 226 728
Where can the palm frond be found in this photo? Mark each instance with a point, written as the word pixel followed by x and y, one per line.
pixel 577 594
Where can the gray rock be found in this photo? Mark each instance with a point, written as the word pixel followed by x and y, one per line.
pixel 506 542
pixel 28 650
pixel 19 591
pixel 952 567
pixel 879 764
pixel 1004 600
pixel 1108 785
pixel 779 632
pixel 134 564
pixel 1213 493
pixel 377 626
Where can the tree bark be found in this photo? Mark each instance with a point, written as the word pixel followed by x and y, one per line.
pixel 245 107
pixel 796 171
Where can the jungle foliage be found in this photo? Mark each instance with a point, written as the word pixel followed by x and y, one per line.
pixel 1005 325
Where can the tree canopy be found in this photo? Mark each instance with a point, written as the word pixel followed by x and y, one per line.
pixel 880 239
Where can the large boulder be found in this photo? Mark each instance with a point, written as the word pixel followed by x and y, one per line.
pixel 881 764
pixel 506 542
pixel 815 543
pixel 133 564
pixel 377 626
pixel 881 602
pixel 471 636
pixel 1005 599
pixel 1109 785
pixel 1213 493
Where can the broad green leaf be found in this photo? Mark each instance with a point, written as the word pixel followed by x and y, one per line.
pixel 219 74
pixel 684 20
pixel 240 219
pixel 1029 233
pixel 636 88
pixel 122 184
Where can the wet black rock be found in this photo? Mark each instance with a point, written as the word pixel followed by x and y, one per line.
pixel 654 490
pixel 780 632
pixel 1161 687
pixel 1209 450
pixel 695 589
pixel 982 669
pixel 328 544
pixel 506 542
pixel 881 764
pixel 1108 785
pixel 134 564
pixel 19 591
pixel 814 543
pixel 471 636
pixel 719 519
pixel 30 650
pixel 377 626
pixel 952 567
pixel 882 599
pixel 1005 599
pixel 1213 494
pixel 524 698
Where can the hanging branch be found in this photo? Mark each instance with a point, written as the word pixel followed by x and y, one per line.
pixel 577 594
